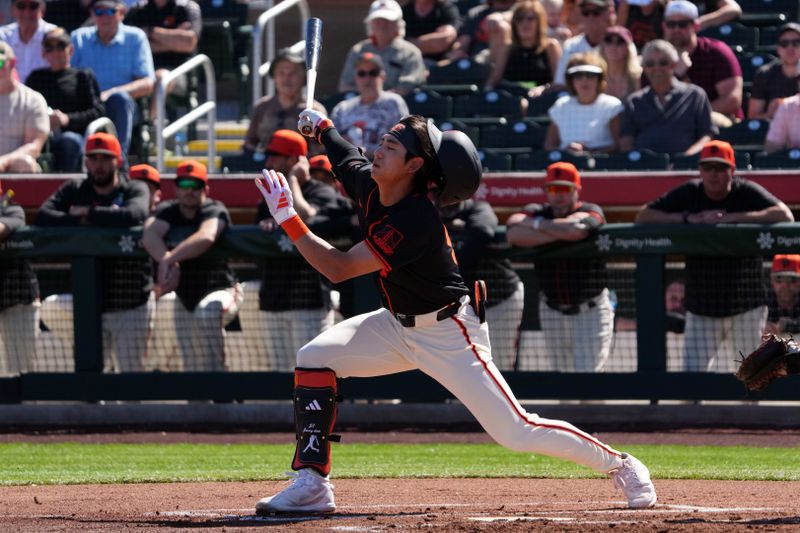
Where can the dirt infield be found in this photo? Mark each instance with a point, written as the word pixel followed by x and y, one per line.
pixel 441 505
pixel 453 505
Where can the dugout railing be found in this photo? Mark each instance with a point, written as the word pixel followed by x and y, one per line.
pixel 640 260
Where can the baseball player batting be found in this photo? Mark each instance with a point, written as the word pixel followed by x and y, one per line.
pixel 429 319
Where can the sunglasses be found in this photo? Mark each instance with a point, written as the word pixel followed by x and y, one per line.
pixel 32 6
pixel 556 189
pixel 682 24
pixel 2 63
pixel 786 43
pixel 659 63
pixel 57 46
pixel 368 73
pixel 190 183
pixel 592 12
pixel 528 18
pixel 107 11
pixel 617 41
pixel 714 167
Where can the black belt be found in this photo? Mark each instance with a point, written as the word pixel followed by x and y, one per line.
pixel 409 321
pixel 572 309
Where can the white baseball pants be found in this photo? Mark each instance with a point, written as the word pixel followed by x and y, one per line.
pixel 19 328
pixel 456 353
pixel 712 343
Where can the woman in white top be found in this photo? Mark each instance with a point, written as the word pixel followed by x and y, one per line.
pixel 587 120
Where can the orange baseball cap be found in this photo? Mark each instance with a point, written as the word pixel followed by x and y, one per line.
pixel 718 152
pixel 563 173
pixel 287 143
pixel 321 162
pixel 145 173
pixel 103 143
pixel 786 265
pixel 192 169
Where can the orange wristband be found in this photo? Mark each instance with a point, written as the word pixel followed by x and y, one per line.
pixel 294 228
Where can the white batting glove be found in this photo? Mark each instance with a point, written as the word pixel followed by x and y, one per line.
pixel 312 124
pixel 277 194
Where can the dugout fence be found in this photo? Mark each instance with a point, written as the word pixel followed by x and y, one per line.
pixel 71 359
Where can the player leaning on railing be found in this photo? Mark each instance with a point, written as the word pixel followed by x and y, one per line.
pixel 428 320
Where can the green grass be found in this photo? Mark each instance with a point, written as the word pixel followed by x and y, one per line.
pixel 64 463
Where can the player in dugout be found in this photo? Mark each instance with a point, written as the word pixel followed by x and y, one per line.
pixel 428 320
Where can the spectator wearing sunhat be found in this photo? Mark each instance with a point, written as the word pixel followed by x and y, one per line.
pixel 404 66
pixel 152 178
pixel 73 99
pixel 280 111
pixel 575 306
pixel 208 294
pixel 105 200
pixel 726 301
pixel 25 126
pixel 364 118
pixel 294 299
pixel 784 301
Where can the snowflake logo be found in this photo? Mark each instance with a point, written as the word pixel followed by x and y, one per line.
pixel 603 243
pixel 285 244
pixel 765 240
pixel 482 192
pixel 127 244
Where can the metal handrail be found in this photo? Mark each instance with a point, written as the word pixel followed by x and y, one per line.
pixel 209 107
pixel 268 17
pixel 101 123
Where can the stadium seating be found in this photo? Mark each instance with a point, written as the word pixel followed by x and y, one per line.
pixel 788 159
pixel 496 103
pixel 217 42
pixel 733 34
pixel 768 12
pixel 495 160
pixel 751 62
pixel 463 71
pixel 429 103
pixel 522 133
pixel 473 132
pixel 539 160
pixel 539 106
pixel 746 135
pixel 633 160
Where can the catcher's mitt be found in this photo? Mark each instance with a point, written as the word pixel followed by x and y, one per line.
pixel 768 362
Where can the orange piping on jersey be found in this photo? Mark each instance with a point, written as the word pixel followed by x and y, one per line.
pixel 368 202
pixel 515 405
pixel 386 266
pixel 450 244
pixel 386 293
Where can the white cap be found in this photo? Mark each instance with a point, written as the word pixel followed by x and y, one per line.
pixel 385 9
pixel 681 8
pixel 591 69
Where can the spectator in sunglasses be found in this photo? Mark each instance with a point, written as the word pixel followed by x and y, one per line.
pixel 25 35
pixel 73 97
pixel 624 68
pixel 777 80
pixel 784 301
pixel 364 118
pixel 404 66
pixel 522 54
pixel 588 119
pixel 23 133
pixel 596 17
pixel 643 18
pixel 726 300
pixel 667 116
pixel 575 310
pixel 121 59
pixel 207 293
pixel 705 62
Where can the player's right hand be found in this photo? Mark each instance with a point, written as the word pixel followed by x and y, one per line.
pixel 312 124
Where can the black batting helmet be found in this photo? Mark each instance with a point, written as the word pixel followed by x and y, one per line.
pixel 459 162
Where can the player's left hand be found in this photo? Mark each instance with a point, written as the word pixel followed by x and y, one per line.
pixel 277 194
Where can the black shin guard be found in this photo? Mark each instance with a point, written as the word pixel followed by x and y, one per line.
pixel 315 393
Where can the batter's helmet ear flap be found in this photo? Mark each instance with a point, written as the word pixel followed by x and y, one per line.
pixel 459 162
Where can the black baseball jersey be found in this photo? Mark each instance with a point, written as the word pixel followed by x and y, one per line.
pixel 18 284
pixel 420 273
pixel 472 225
pixel 126 282
pixel 568 282
pixel 171 16
pixel 727 286
pixel 201 275
pixel 291 283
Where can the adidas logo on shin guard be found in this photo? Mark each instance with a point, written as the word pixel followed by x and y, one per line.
pixel 313 406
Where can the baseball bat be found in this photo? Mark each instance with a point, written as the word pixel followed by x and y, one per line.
pixel 313 47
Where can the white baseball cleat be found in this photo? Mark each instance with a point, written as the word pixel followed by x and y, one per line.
pixel 308 492
pixel 633 478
